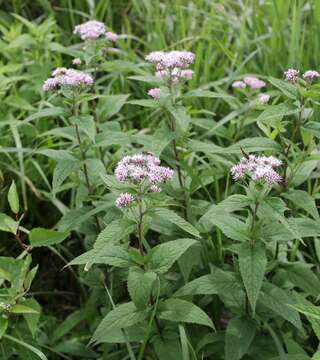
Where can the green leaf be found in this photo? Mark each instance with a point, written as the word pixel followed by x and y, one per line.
pixel 303 200
pixel 178 310
pixel 239 335
pixel 87 125
pixel 13 198
pixel 279 301
pixel 207 94
pixel 277 111
pixel 37 352
pixel 253 263
pixel 285 87
pixel 22 309
pixel 46 237
pixel 112 255
pixel 181 117
pixel 123 316
pixel 163 256
pixel 32 319
pixel 175 219
pixel 140 284
pixel 67 325
pixel 3 326
pixel 111 105
pixel 63 169
pixel 232 227
pixel 8 224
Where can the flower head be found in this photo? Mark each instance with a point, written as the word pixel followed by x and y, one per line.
pixel 90 30
pixel 76 61
pixel 124 200
pixel 258 168
pixel 171 59
pixel 310 75
pixel 155 93
pixel 111 36
pixel 238 84
pixel 143 168
pixel 263 98
pixel 67 77
pixel 291 75
pixel 254 82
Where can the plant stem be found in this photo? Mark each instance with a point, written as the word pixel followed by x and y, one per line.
pixel 83 158
pixel 140 225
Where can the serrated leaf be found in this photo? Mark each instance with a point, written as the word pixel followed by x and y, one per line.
pixel 239 335
pixel 46 237
pixel 13 198
pixel 178 310
pixel 277 111
pixel 253 263
pixel 181 117
pixel 112 255
pixel 285 87
pixel 87 125
pixel 279 301
pixel 175 219
pixel 303 200
pixel 123 316
pixel 62 170
pixel 140 285
pixel 111 105
pixel 163 256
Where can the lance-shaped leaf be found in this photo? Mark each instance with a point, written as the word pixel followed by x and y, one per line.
pixel 46 237
pixel 123 316
pixel 178 310
pixel 252 262
pixel 163 256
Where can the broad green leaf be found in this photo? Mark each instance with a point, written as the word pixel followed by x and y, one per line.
pixel 115 231
pixel 277 111
pixel 44 113
pixel 308 310
pixel 140 284
pixel 145 103
pixel 111 105
pixel 13 198
pixel 62 170
pixel 232 227
pixel 232 203
pixel 178 310
pixel 110 254
pixel 252 262
pixel 239 335
pixel 175 219
pixel 279 301
pixel 46 237
pixel 8 224
pixel 87 125
pixel 303 200
pixel 163 256
pixel 285 87
pixel 123 316
pixel 181 117
pixel 207 94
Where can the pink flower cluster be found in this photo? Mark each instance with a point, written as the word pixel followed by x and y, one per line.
pixel 142 168
pixel 310 75
pixel 67 77
pixel 155 93
pixel 292 75
pixel 172 65
pixel 263 98
pixel 124 199
pixel 92 30
pixel 251 81
pixel 258 168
